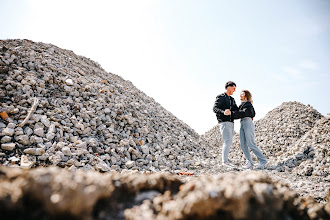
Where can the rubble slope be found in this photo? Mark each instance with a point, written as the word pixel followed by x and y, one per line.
pixel 62 109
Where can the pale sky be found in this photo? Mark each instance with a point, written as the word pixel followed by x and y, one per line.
pixel 181 53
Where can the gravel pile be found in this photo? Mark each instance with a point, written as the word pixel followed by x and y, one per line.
pixel 276 133
pixel 283 126
pixel 61 109
pixel 290 135
pixel 310 155
pixel 295 139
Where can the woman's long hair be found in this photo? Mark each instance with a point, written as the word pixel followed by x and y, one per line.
pixel 248 95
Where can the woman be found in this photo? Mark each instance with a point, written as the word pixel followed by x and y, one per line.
pixel 246 113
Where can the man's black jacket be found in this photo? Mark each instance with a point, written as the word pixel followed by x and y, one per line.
pixel 223 102
pixel 244 110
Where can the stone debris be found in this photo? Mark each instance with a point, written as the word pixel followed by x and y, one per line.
pixel 55 193
pixel 283 126
pixel 275 133
pixel 27 162
pixel 312 151
pixel 60 109
pixel 295 139
pixel 57 114
pixel 8 146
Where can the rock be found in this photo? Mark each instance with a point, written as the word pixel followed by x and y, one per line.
pixel 130 164
pixel 23 139
pixel 54 159
pixel 13 159
pixel 45 121
pixel 102 166
pixel 2 125
pixel 50 136
pixel 8 131
pixel 66 151
pixel 69 82
pixel 8 146
pixel 145 149
pixel 19 131
pixel 34 151
pixel 5 139
pixel 107 111
pixel 28 131
pixel 39 131
pixel 27 162
pixel 43 157
pixel 11 125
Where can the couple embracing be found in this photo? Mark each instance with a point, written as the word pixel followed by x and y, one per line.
pixel 226 111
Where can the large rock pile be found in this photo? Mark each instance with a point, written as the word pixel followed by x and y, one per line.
pixel 276 133
pixel 290 134
pixel 61 109
pixel 295 139
pixel 54 193
pixel 283 126
pixel 310 155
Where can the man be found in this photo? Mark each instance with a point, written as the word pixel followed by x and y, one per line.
pixel 223 106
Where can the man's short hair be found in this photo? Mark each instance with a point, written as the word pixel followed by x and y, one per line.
pixel 229 83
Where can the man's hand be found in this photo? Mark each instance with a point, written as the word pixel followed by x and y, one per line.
pixel 227 112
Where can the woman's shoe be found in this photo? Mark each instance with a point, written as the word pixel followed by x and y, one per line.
pixel 261 166
pixel 248 165
pixel 228 165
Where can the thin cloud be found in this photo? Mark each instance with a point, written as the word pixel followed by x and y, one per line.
pixel 309 64
pixel 294 72
pixel 281 78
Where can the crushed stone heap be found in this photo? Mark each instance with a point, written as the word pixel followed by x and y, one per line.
pixel 277 133
pixel 290 134
pixel 310 155
pixel 284 125
pixel 59 193
pixel 58 108
pixel 295 139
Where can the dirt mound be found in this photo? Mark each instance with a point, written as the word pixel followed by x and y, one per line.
pixel 58 193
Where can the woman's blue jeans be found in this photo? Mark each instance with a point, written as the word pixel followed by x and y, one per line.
pixel 247 141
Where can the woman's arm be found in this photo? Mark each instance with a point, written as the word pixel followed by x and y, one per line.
pixel 246 110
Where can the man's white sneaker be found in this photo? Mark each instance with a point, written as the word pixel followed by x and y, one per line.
pixel 261 166
pixel 228 165
pixel 248 165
